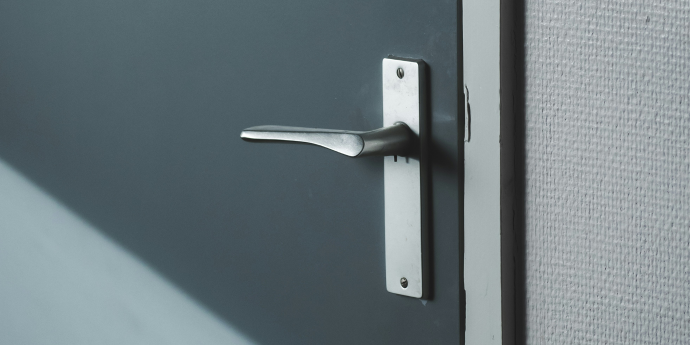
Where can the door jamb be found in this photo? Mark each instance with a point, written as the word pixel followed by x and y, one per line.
pixel 489 212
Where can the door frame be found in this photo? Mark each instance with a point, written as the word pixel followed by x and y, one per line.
pixel 489 54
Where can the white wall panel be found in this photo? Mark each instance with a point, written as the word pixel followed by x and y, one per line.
pixel 608 172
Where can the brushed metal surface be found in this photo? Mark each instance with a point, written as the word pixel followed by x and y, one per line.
pixel 404 180
pixel 396 139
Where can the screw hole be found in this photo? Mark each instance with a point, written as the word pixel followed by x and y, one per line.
pixel 400 73
pixel 403 282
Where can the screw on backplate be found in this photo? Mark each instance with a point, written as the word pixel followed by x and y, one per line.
pixel 401 73
pixel 403 282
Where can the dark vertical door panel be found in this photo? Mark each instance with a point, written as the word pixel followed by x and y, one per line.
pixel 129 112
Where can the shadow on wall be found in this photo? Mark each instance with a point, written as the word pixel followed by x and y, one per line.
pixel 520 176
pixel 63 282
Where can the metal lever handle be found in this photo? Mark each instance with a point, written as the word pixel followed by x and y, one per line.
pixel 396 140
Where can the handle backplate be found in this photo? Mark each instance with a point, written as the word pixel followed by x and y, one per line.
pixel 405 180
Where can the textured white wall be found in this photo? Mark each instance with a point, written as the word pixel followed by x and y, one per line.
pixel 608 172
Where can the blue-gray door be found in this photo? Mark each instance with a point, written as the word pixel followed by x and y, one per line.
pixel 129 113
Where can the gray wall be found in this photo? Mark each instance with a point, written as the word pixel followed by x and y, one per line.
pixel 607 227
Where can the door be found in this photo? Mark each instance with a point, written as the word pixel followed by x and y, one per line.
pixel 130 113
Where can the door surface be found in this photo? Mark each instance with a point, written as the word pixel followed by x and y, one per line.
pixel 129 113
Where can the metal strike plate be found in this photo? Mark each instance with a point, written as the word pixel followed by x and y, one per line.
pixel 404 100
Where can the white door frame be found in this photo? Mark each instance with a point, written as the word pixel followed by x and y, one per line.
pixel 489 81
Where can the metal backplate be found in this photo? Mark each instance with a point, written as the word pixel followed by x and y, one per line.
pixel 404 99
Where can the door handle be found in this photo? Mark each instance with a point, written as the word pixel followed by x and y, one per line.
pixel 395 140
pixel 405 181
